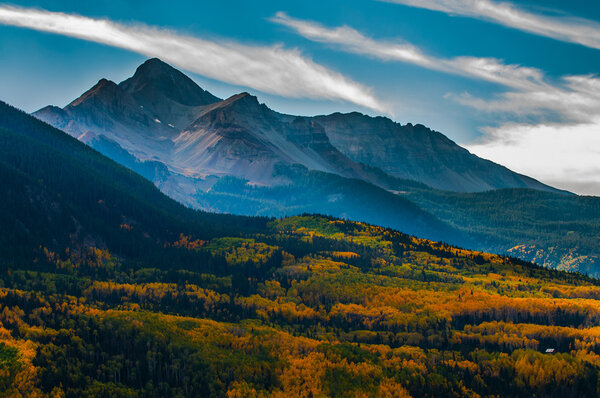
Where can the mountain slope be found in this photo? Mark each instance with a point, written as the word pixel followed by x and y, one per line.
pixel 159 114
pixel 418 153
pixel 324 193
pixel 242 138
pixel 59 193
pixel 552 230
pixel 106 109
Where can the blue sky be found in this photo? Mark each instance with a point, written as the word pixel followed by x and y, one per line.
pixel 513 82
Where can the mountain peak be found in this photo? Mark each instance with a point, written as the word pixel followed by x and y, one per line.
pixel 154 80
pixel 245 97
pixel 104 84
pixel 154 67
pixel 243 105
pixel 155 62
pixel 104 81
pixel 103 90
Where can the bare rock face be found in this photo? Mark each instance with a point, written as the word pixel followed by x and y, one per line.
pixel 418 153
pixel 156 81
pixel 169 95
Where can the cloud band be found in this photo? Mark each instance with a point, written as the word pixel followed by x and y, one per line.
pixel 270 69
pixel 568 29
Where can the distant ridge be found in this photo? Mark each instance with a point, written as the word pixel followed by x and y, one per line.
pixel 418 153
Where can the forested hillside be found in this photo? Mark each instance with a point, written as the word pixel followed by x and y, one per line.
pixel 558 231
pixel 554 230
pixel 59 193
pixel 311 307
pixel 110 289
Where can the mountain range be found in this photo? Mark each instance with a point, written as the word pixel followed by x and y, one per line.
pixel 161 114
pixel 238 156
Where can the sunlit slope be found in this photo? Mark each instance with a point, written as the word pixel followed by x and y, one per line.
pixel 312 304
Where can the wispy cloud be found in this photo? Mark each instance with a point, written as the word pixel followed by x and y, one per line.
pixel 354 41
pixel 548 119
pixel 554 135
pixel 270 69
pixel 564 28
pixel 573 99
pixel 351 40
pixel 527 91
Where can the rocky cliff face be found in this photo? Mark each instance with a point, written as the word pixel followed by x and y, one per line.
pixel 418 153
pixel 166 93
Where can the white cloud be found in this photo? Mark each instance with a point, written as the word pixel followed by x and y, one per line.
pixel 573 100
pixel 270 69
pixel 354 41
pixel 558 138
pixel 565 156
pixel 351 40
pixel 560 146
pixel 569 29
